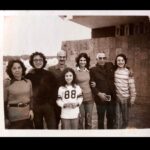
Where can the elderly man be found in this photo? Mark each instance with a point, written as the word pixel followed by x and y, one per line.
pixel 57 71
pixel 104 91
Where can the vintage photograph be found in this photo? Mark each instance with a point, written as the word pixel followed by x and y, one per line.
pixel 75 73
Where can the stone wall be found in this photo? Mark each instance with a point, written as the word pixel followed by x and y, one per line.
pixel 136 48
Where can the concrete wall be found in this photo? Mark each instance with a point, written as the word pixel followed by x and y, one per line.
pixel 137 49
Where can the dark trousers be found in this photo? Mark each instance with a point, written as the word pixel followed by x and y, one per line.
pixel 108 108
pixel 21 124
pixel 44 111
pixel 57 114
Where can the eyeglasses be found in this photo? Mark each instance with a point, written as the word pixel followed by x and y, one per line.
pixel 62 57
pixel 100 58
pixel 36 60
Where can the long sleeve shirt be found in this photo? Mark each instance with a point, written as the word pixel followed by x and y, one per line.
pixel 125 85
pixel 18 91
pixel 44 86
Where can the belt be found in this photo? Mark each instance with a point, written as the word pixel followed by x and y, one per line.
pixel 19 105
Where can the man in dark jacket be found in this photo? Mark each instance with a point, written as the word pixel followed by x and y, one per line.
pixel 44 92
pixel 57 70
pixel 104 91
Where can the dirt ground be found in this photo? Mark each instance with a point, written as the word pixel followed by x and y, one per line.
pixel 139 115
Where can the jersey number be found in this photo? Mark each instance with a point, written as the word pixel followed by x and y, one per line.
pixel 70 94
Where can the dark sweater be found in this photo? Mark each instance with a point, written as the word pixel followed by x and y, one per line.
pixel 104 78
pixel 44 86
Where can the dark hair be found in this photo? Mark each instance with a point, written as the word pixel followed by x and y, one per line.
pixel 86 57
pixel 63 76
pixel 123 56
pixel 41 55
pixel 10 65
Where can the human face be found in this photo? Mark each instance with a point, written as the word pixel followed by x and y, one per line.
pixel 38 62
pixel 120 62
pixel 101 59
pixel 82 62
pixel 62 58
pixel 69 77
pixel 17 71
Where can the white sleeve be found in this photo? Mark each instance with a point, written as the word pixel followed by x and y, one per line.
pixel 79 95
pixel 59 101
pixel 132 88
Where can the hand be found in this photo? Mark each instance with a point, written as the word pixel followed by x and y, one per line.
pixel 131 73
pixel 74 105
pixel 31 115
pixel 102 96
pixel 93 84
pixel 68 105
pixel 131 103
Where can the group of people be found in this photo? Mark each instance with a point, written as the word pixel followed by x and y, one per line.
pixel 63 97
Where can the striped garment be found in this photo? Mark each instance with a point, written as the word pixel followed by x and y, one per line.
pixel 125 85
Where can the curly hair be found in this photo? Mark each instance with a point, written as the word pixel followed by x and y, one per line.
pixel 10 65
pixel 84 55
pixel 41 55
pixel 120 55
pixel 63 83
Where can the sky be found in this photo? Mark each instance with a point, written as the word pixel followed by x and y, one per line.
pixel 23 32
pixel 29 32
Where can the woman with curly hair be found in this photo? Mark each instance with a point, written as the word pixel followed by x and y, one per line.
pixel 18 97
pixel 83 80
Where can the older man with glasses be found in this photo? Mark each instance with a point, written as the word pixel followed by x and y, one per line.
pixel 104 90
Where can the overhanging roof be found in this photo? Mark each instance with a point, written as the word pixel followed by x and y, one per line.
pixel 106 21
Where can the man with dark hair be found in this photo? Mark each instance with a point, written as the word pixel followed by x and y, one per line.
pixel 57 71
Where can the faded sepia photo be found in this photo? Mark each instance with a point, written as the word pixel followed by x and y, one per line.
pixel 75 73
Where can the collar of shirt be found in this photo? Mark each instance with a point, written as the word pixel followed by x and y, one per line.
pixel 85 69
pixel 58 67
pixel 13 80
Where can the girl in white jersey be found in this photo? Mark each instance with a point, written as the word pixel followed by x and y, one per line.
pixel 69 99
pixel 125 91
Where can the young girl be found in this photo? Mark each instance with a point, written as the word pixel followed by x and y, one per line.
pixel 69 99
pixel 125 91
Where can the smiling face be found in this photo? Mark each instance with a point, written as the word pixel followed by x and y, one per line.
pixel 61 56
pixel 69 77
pixel 82 62
pixel 38 62
pixel 16 70
pixel 120 62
